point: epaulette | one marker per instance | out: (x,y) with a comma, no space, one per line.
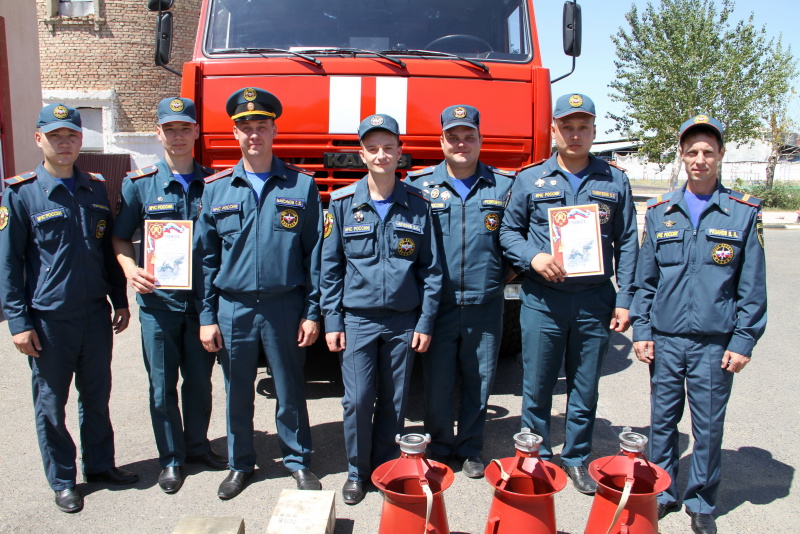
(221,174)
(343,192)
(298,169)
(411,190)
(96,176)
(745,198)
(532,164)
(420,172)
(616,166)
(208,170)
(660,199)
(20,178)
(140,173)
(510,174)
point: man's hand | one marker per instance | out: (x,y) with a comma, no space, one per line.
(141,281)
(121,320)
(307,333)
(211,337)
(645,350)
(734,362)
(27,342)
(335,341)
(420,342)
(547,266)
(620,322)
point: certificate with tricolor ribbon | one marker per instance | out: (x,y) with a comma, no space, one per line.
(575,239)
(168,253)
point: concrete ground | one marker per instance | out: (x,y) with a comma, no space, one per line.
(760,455)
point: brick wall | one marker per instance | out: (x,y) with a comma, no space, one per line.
(76,55)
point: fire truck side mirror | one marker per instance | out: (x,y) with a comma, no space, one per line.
(163,38)
(572,28)
(159,5)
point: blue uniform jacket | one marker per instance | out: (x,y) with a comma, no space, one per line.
(154,193)
(706,280)
(372,264)
(468,233)
(525,231)
(55,248)
(270,247)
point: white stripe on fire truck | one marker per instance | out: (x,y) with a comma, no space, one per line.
(345,104)
(392,99)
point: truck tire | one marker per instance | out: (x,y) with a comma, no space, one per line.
(511,344)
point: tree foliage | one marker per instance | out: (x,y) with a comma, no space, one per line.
(686,57)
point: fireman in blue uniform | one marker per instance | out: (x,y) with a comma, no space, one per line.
(563,318)
(58,273)
(258,243)
(467,201)
(170,190)
(700,307)
(380,291)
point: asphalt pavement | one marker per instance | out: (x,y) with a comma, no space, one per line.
(760,455)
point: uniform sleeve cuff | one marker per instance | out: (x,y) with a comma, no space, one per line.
(19,325)
(741,345)
(624,300)
(334,323)
(424,325)
(642,333)
(208,318)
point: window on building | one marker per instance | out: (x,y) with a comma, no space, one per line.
(92,123)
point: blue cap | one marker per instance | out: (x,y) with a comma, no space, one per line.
(702,121)
(176,110)
(252,104)
(573,103)
(460,115)
(54,116)
(378,122)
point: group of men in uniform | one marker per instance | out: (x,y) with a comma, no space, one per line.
(394,268)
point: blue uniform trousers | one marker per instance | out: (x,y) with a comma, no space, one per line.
(572,326)
(171,346)
(376,371)
(79,345)
(250,323)
(689,365)
(465,344)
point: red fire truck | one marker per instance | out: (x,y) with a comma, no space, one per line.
(334,62)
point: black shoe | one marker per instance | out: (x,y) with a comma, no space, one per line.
(353,492)
(69,501)
(210,458)
(115,475)
(473,467)
(664,509)
(171,479)
(306,480)
(233,484)
(702,523)
(581,479)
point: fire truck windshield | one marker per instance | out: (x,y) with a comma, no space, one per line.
(487,29)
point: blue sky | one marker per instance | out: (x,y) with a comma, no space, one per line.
(603,18)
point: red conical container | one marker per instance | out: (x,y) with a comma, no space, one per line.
(413,490)
(524,486)
(627,487)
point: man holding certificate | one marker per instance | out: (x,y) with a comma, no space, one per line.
(570,220)
(259,237)
(163,200)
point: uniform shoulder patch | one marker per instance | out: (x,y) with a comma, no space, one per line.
(660,199)
(532,164)
(411,190)
(343,192)
(96,176)
(745,198)
(420,172)
(221,174)
(510,174)
(611,163)
(298,169)
(25,176)
(208,170)
(141,173)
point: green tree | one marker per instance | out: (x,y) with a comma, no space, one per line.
(686,57)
